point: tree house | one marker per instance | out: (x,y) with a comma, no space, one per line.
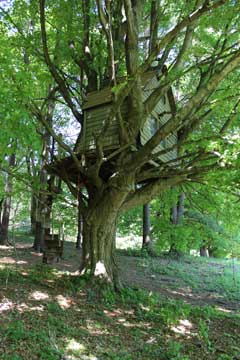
(98,106)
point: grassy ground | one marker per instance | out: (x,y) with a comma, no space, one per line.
(221,277)
(49,314)
(194,279)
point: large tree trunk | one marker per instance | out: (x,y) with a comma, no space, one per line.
(7,204)
(98,248)
(99,234)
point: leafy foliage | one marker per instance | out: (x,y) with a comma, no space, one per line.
(208,221)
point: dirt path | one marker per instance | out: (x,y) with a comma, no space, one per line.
(132,272)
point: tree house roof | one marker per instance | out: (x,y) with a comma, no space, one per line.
(105,95)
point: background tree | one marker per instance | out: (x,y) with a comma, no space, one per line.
(6,201)
(146,226)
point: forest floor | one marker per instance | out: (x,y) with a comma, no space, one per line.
(193,280)
(170,310)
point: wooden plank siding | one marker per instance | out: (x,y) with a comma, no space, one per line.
(97,109)
(94,124)
(163,106)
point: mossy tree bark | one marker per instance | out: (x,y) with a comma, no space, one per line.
(98,247)
(99,231)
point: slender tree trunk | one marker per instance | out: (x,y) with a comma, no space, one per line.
(204,251)
(34,202)
(80,230)
(33,211)
(39,235)
(146,242)
(177,213)
(40,213)
(43,212)
(47,211)
(7,204)
(1,209)
(211,251)
(39,229)
(180,208)
(5,220)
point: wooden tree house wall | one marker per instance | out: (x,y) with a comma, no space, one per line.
(97,107)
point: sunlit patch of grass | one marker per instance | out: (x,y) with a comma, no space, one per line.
(209,275)
(74,347)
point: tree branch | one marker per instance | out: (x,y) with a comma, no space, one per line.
(34,109)
(154,23)
(175,123)
(105,20)
(172,34)
(147,192)
(52,68)
(233,115)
